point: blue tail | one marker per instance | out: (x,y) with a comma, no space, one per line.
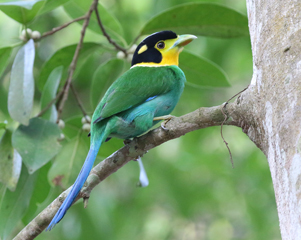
(79,182)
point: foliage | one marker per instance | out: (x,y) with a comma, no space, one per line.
(193,192)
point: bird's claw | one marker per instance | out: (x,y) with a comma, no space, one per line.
(166,119)
(163,126)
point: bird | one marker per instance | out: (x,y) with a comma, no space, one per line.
(136,101)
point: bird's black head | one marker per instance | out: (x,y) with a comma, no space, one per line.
(148,51)
(160,49)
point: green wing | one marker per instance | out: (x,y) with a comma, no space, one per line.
(135,87)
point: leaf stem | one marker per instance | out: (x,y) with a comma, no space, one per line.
(79,102)
(16,44)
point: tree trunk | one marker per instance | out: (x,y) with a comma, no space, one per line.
(271,106)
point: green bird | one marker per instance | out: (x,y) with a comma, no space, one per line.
(136,101)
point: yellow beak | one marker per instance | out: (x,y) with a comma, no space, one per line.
(183,40)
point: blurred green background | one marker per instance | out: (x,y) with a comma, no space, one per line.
(194,192)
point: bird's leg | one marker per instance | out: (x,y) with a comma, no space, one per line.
(166,119)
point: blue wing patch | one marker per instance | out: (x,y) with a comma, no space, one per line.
(150,98)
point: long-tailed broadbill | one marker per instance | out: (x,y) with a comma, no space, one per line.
(136,101)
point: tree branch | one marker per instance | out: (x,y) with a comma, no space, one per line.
(225,119)
(177,127)
(50,104)
(110,40)
(54,30)
(75,57)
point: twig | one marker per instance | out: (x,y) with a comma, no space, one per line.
(50,104)
(75,57)
(54,30)
(79,102)
(110,40)
(225,119)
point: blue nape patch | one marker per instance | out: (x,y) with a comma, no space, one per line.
(150,98)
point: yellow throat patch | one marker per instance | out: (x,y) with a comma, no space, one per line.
(170,54)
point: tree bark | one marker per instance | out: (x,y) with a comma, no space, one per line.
(272,104)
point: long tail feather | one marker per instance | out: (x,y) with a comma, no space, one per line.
(79,182)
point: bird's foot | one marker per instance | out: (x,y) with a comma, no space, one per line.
(166,119)
(126,141)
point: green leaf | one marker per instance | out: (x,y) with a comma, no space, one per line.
(205,19)
(78,8)
(14,204)
(51,5)
(63,57)
(85,72)
(37,143)
(49,93)
(4,58)
(22,11)
(3,124)
(103,77)
(21,88)
(10,162)
(69,161)
(40,193)
(72,127)
(202,72)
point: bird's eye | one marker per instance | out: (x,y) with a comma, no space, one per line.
(160,45)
